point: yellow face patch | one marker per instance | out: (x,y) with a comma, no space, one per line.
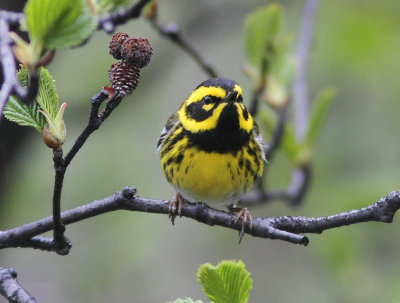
(238,89)
(212,121)
(195,126)
(202,91)
(208,107)
(248,124)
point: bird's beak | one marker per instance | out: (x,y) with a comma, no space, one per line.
(231,96)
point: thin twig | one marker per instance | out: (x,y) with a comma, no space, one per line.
(173,33)
(275,142)
(61,243)
(59,227)
(286,228)
(93,124)
(255,100)
(11,289)
(108,22)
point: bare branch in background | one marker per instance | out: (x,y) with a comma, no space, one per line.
(173,33)
(300,90)
(301,176)
(255,99)
(108,22)
(11,289)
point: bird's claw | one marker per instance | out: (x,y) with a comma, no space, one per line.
(245,216)
(175,207)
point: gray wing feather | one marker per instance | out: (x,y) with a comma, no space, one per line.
(260,141)
(168,128)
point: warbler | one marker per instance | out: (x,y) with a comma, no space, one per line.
(211,149)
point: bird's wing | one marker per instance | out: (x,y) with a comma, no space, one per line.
(168,128)
(260,141)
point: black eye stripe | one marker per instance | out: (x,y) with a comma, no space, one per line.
(196,112)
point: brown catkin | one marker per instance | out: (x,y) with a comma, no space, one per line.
(116,43)
(124,77)
(137,51)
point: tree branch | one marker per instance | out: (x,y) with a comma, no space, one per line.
(61,244)
(286,228)
(253,108)
(108,22)
(95,120)
(11,289)
(173,33)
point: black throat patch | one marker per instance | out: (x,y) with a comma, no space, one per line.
(227,137)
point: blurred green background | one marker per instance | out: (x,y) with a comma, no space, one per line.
(139,257)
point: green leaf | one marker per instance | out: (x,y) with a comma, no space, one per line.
(260,31)
(228,282)
(24,115)
(289,144)
(267,121)
(46,100)
(47,96)
(319,110)
(55,24)
(23,75)
(187,300)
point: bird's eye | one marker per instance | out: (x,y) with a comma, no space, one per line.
(207,100)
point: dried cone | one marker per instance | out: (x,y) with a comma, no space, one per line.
(116,43)
(124,77)
(137,51)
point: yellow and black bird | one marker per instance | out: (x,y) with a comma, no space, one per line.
(211,150)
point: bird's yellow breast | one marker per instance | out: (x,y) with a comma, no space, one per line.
(213,177)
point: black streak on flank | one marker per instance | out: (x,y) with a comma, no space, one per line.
(179,159)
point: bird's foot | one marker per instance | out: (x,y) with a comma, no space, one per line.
(175,207)
(245,216)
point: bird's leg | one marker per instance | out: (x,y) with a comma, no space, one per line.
(245,216)
(175,207)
